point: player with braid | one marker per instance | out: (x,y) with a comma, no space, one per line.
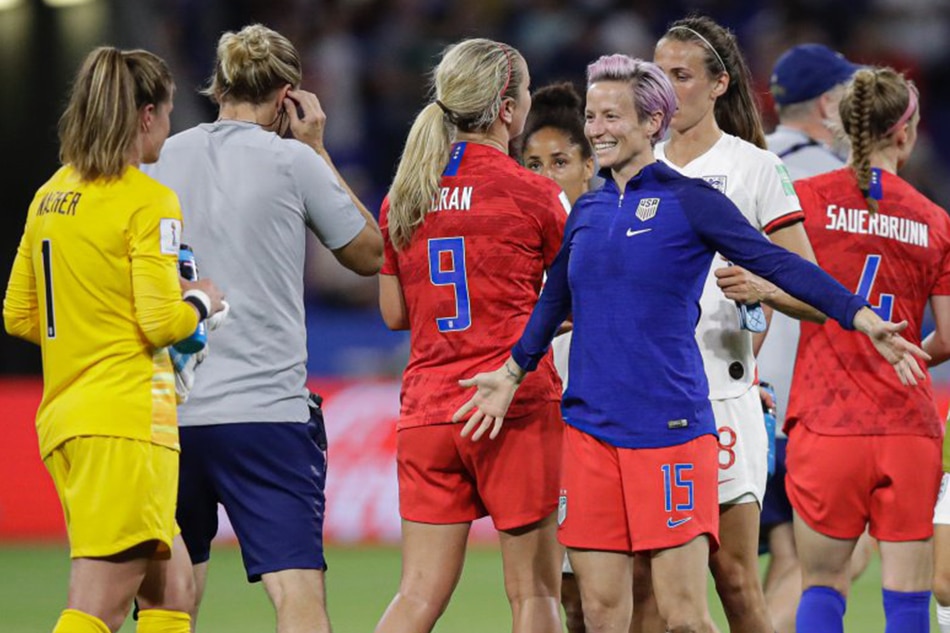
(862,451)
(807,83)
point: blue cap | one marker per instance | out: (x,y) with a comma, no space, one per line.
(806,71)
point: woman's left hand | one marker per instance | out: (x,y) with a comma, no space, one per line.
(898,351)
(493,394)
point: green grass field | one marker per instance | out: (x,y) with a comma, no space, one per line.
(361,582)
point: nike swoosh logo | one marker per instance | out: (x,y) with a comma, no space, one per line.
(631,232)
(726,480)
(670,523)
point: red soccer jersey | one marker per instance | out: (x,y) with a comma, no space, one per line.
(897,259)
(470,277)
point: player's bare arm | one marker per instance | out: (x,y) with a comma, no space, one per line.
(937,343)
(392,303)
(740,285)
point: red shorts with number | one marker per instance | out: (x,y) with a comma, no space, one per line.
(446,478)
(839,483)
(632,500)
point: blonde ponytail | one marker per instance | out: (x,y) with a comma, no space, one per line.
(419,173)
(470,83)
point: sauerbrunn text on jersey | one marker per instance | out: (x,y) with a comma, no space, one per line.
(862,222)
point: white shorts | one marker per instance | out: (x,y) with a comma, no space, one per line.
(566,565)
(743,448)
(942,509)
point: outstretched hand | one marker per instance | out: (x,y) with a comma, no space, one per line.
(493,395)
(898,351)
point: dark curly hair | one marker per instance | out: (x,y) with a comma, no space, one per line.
(557,106)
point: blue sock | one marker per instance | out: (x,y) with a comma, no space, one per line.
(907,612)
(821,610)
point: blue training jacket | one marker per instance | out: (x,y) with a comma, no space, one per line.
(630,272)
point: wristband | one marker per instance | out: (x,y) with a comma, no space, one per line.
(514,375)
(201,301)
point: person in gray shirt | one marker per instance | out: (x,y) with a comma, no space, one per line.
(249,439)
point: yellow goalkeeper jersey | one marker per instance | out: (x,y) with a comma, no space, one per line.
(95,284)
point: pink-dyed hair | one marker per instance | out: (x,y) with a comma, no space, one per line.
(652,90)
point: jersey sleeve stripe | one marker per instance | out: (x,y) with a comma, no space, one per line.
(784,221)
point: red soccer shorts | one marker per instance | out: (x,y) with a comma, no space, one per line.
(633,500)
(839,483)
(446,478)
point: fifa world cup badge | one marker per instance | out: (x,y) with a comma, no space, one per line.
(562,507)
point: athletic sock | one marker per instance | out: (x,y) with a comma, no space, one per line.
(943,618)
(163,621)
(906,611)
(75,621)
(821,610)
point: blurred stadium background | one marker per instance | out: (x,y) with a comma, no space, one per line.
(367,61)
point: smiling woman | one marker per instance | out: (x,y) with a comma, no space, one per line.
(621,127)
(615,288)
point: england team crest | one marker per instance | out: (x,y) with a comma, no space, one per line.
(719,182)
(647,208)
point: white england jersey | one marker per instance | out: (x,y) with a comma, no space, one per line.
(757,182)
(804,158)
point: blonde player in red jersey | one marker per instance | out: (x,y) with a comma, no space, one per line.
(95,283)
(469,234)
(862,450)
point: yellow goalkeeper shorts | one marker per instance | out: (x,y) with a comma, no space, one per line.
(116,493)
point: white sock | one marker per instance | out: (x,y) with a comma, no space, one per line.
(943,619)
